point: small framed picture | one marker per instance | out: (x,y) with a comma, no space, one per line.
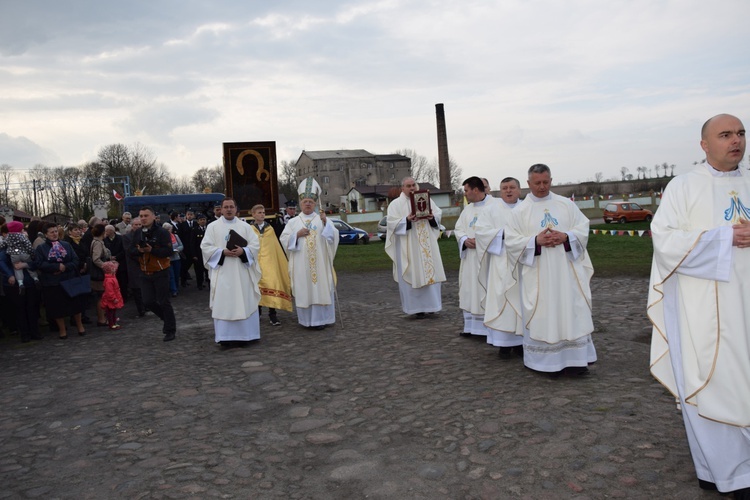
(420,204)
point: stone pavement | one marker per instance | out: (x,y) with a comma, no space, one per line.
(384,407)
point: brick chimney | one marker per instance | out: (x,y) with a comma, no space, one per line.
(442,140)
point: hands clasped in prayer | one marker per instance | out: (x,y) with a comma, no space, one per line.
(551,238)
(235,252)
(741,236)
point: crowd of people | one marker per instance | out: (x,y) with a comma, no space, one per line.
(524,281)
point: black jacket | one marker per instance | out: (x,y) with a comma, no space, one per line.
(49,270)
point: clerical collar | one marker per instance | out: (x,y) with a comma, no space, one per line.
(229,221)
(721,173)
(480,203)
(510,205)
(536,198)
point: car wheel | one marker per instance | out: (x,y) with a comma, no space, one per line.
(622,220)
(607,221)
(648,218)
(360,241)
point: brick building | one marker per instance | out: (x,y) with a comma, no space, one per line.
(339,171)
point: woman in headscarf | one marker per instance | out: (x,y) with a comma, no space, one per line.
(56,262)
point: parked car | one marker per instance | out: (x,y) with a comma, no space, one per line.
(383,228)
(626,211)
(350,235)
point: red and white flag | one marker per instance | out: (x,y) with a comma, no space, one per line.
(117,195)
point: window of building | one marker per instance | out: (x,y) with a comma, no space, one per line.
(393,176)
(325,179)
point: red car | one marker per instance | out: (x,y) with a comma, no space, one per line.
(626,211)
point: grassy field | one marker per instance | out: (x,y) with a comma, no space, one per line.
(611,255)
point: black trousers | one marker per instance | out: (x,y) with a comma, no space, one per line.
(26,309)
(155,293)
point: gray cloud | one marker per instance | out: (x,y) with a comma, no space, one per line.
(23,153)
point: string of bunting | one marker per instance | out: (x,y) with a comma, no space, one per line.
(621,232)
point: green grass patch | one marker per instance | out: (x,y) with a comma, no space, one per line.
(620,255)
(640,225)
(372,257)
(611,255)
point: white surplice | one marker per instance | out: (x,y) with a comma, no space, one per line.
(417,264)
(311,268)
(503,325)
(234,284)
(699,304)
(552,293)
(472,274)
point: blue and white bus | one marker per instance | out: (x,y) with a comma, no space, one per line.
(164,204)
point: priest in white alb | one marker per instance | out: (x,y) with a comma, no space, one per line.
(234,275)
(546,242)
(412,245)
(504,327)
(472,274)
(311,241)
(699,304)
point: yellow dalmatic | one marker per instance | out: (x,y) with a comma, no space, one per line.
(275,286)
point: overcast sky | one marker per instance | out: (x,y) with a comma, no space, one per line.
(584,86)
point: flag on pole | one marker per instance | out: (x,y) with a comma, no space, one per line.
(117,195)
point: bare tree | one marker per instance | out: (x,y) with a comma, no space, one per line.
(211,178)
(624,171)
(139,164)
(671,169)
(455,172)
(287,183)
(7,175)
(598,177)
(422,170)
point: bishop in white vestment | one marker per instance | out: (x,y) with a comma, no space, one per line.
(699,304)
(311,242)
(546,241)
(234,275)
(412,246)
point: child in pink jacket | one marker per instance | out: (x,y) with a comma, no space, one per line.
(112,298)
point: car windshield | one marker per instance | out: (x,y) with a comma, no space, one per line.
(635,206)
(341,225)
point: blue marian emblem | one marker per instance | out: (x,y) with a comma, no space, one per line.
(736,210)
(549,222)
(473,221)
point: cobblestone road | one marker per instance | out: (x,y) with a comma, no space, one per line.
(383,407)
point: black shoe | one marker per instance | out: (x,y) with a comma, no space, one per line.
(743,494)
(505,353)
(421,316)
(707,485)
(576,371)
(275,321)
(168,337)
(518,350)
(465,334)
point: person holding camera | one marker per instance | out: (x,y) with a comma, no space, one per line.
(152,247)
